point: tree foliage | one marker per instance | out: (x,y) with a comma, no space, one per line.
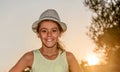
(105,27)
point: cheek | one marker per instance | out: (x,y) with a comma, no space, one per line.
(57,35)
(41,36)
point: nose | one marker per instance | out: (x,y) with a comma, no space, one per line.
(49,34)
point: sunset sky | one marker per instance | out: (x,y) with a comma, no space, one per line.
(17,37)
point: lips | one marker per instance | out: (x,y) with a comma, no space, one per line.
(49,39)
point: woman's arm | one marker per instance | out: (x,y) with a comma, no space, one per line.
(73,63)
(24,62)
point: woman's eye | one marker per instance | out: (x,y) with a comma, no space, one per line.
(43,31)
(54,30)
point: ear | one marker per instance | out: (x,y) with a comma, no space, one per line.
(60,35)
(38,35)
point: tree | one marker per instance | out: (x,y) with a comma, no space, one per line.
(105,27)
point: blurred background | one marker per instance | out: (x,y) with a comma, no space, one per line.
(104,30)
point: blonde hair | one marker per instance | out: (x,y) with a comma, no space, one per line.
(60,46)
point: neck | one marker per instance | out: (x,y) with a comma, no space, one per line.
(49,51)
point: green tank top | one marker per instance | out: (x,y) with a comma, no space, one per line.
(41,64)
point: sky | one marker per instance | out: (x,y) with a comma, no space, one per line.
(17,37)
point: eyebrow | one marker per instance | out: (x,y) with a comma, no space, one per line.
(51,28)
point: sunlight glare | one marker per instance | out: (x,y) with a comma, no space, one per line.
(92,59)
(108,1)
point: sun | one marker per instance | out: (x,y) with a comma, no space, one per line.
(92,59)
(108,1)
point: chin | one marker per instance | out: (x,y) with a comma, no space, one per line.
(50,45)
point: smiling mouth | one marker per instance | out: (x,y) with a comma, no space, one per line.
(49,40)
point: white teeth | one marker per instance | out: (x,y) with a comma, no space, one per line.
(49,40)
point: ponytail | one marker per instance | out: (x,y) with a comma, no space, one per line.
(60,46)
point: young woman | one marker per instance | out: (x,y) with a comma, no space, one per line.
(50,57)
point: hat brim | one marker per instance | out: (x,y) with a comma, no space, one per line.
(35,24)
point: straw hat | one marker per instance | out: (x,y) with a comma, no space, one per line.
(49,14)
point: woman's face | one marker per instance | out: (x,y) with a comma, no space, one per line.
(49,33)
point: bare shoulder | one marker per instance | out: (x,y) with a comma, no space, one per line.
(70,56)
(28,55)
(73,63)
(25,61)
